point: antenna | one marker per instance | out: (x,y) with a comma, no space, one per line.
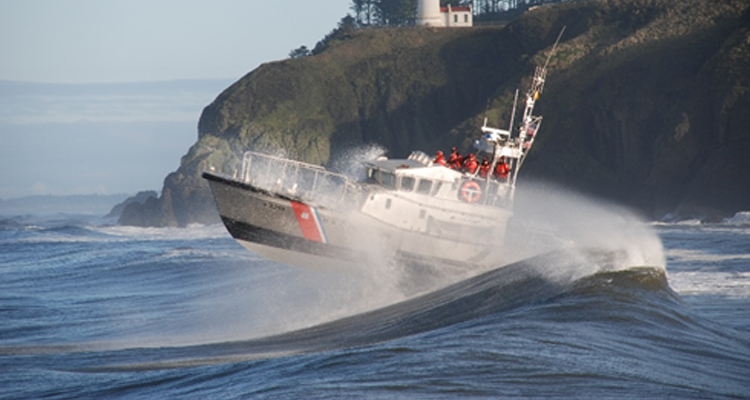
(554,47)
(487,109)
(513,114)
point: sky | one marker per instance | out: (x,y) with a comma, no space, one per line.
(77,136)
(84,41)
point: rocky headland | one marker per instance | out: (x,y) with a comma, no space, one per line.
(647,104)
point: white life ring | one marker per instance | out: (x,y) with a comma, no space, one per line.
(470,192)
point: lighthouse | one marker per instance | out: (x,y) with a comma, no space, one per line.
(428,13)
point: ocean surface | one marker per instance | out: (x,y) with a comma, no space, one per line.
(93,310)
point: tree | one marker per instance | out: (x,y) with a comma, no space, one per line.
(344,29)
(364,12)
(384,12)
(465,3)
(302,51)
(396,12)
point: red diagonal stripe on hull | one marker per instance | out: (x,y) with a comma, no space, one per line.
(306,221)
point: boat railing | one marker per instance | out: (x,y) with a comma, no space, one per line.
(305,181)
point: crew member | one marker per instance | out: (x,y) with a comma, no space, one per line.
(484,168)
(502,170)
(455,160)
(439,158)
(470,164)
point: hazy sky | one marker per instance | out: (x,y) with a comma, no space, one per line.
(81,41)
(105,139)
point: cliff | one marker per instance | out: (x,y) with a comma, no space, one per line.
(647,103)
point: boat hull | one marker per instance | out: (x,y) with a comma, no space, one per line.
(288,230)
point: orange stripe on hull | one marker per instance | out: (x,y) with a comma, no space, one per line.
(308,222)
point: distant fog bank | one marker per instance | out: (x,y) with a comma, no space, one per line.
(67,139)
(94,205)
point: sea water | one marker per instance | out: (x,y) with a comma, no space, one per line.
(93,310)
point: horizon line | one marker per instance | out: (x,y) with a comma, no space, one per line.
(31,82)
(158,193)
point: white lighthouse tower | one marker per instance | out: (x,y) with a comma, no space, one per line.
(428,13)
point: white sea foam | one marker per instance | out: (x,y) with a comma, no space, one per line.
(711,273)
(116,233)
(351,161)
(548,217)
(264,298)
(740,218)
(689,255)
(719,283)
(192,232)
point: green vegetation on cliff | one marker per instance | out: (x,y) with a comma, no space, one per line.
(647,103)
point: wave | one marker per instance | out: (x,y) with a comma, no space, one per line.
(41,230)
(578,311)
(741,218)
(533,281)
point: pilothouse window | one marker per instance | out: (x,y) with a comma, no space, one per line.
(424,186)
(385,178)
(407,183)
(379,176)
(388,179)
(436,187)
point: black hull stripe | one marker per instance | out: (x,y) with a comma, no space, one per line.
(255,234)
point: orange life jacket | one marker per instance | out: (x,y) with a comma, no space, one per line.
(470,165)
(502,170)
(484,169)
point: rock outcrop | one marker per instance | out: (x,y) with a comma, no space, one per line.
(140,197)
(648,103)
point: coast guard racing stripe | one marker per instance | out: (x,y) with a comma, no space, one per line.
(309,222)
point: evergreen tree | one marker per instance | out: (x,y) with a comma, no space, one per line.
(302,51)
(396,12)
(364,12)
(343,30)
(464,3)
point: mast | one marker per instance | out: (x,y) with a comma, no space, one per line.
(501,144)
(530,123)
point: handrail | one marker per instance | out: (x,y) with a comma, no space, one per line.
(308,182)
